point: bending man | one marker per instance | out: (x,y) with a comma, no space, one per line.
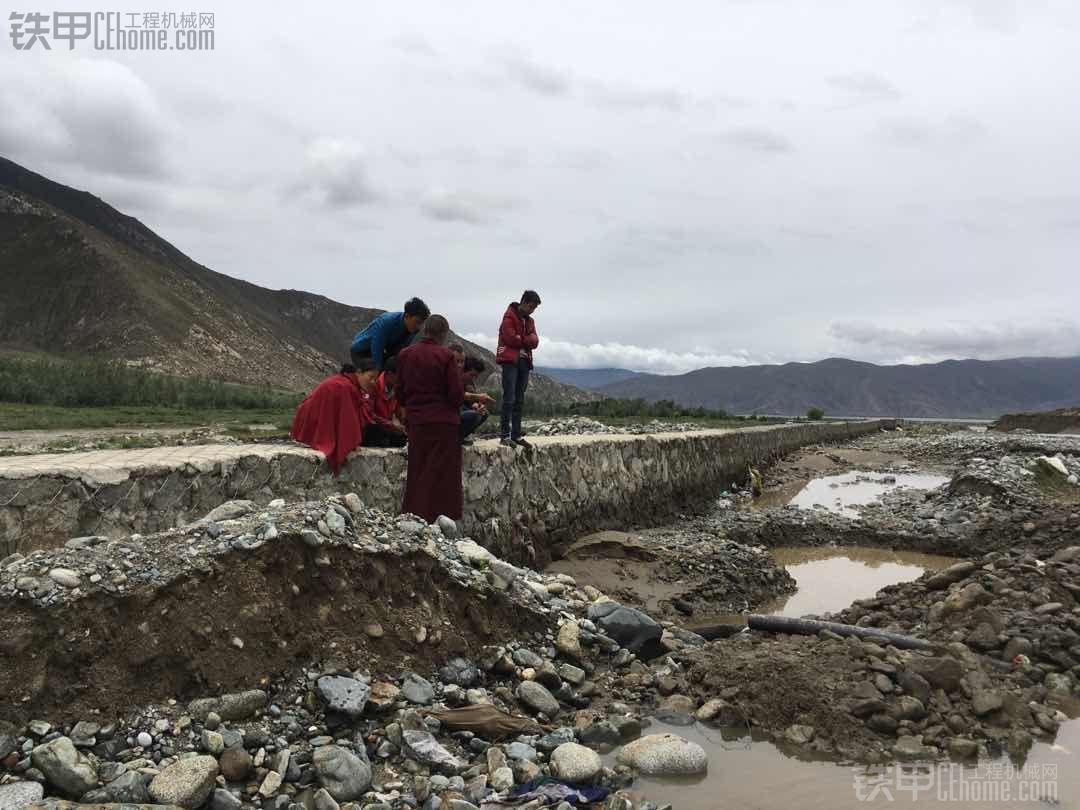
(389,333)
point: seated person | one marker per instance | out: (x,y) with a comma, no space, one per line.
(474,412)
(385,397)
(339,416)
(331,418)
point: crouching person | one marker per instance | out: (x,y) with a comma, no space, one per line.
(331,418)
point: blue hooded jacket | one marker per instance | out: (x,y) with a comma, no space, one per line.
(382,337)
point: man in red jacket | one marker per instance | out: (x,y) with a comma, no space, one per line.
(430,388)
(517,339)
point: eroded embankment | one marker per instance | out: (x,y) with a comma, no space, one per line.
(118,624)
(520,504)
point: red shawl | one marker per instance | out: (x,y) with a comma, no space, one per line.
(329,419)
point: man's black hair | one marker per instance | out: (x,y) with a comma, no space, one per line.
(359,364)
(390,364)
(530,297)
(414,306)
(456,348)
(475,364)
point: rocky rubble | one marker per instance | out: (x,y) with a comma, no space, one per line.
(583,425)
(344,727)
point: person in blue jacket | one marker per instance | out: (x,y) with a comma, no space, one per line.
(389,333)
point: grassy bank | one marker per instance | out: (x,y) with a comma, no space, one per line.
(17,416)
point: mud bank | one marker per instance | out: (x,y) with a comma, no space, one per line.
(519,504)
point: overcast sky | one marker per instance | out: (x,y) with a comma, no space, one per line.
(685,183)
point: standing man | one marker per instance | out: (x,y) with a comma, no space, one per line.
(389,333)
(431,390)
(517,339)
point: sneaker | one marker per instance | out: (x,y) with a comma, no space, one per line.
(522,443)
(506,441)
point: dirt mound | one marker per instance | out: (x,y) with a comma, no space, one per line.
(1066,420)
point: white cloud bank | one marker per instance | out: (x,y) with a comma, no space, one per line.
(564,354)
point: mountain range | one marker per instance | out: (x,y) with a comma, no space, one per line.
(954,388)
(80,278)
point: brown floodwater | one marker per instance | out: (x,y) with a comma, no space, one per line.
(745,773)
(846,492)
(830,579)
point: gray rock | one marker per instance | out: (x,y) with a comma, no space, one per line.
(144,739)
(537,698)
(938,671)
(322,798)
(127,788)
(234,706)
(601,733)
(343,774)
(65,577)
(84,734)
(911,748)
(344,695)
(575,763)
(799,734)
(502,779)
(525,657)
(460,672)
(633,629)
(448,526)
(417,690)
(230,510)
(19,795)
(65,767)
(424,748)
(186,783)
(222,799)
(519,750)
(664,755)
(984,701)
(334,522)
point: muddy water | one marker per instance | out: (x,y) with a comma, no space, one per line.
(830,579)
(745,773)
(845,493)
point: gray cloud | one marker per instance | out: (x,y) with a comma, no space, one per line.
(756,140)
(1052,337)
(93,113)
(952,132)
(455,206)
(535,77)
(864,87)
(633,98)
(335,174)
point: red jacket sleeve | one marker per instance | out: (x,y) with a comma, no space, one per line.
(455,385)
(508,332)
(532,340)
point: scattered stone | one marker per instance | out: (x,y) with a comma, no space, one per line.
(344,695)
(67,770)
(344,775)
(575,763)
(664,755)
(230,707)
(187,782)
(633,629)
(65,577)
(537,698)
(417,690)
(19,795)
(423,747)
(230,510)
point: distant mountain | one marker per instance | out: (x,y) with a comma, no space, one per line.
(80,278)
(588,378)
(954,388)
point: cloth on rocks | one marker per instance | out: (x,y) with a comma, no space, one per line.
(549,792)
(486,721)
(330,419)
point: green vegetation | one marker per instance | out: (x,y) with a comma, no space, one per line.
(111,384)
(815,414)
(16,416)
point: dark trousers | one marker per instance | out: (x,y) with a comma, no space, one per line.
(470,421)
(379,436)
(515,379)
(433,478)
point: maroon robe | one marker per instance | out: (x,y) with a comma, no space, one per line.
(431,390)
(330,419)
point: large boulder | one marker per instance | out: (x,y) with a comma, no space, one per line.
(19,795)
(664,755)
(345,776)
(186,783)
(233,706)
(537,697)
(575,763)
(633,629)
(343,695)
(938,671)
(67,770)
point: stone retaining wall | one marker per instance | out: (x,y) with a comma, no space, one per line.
(522,505)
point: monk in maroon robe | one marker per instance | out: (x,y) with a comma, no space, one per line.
(332,418)
(431,390)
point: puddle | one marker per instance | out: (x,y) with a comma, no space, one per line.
(745,773)
(844,493)
(830,579)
